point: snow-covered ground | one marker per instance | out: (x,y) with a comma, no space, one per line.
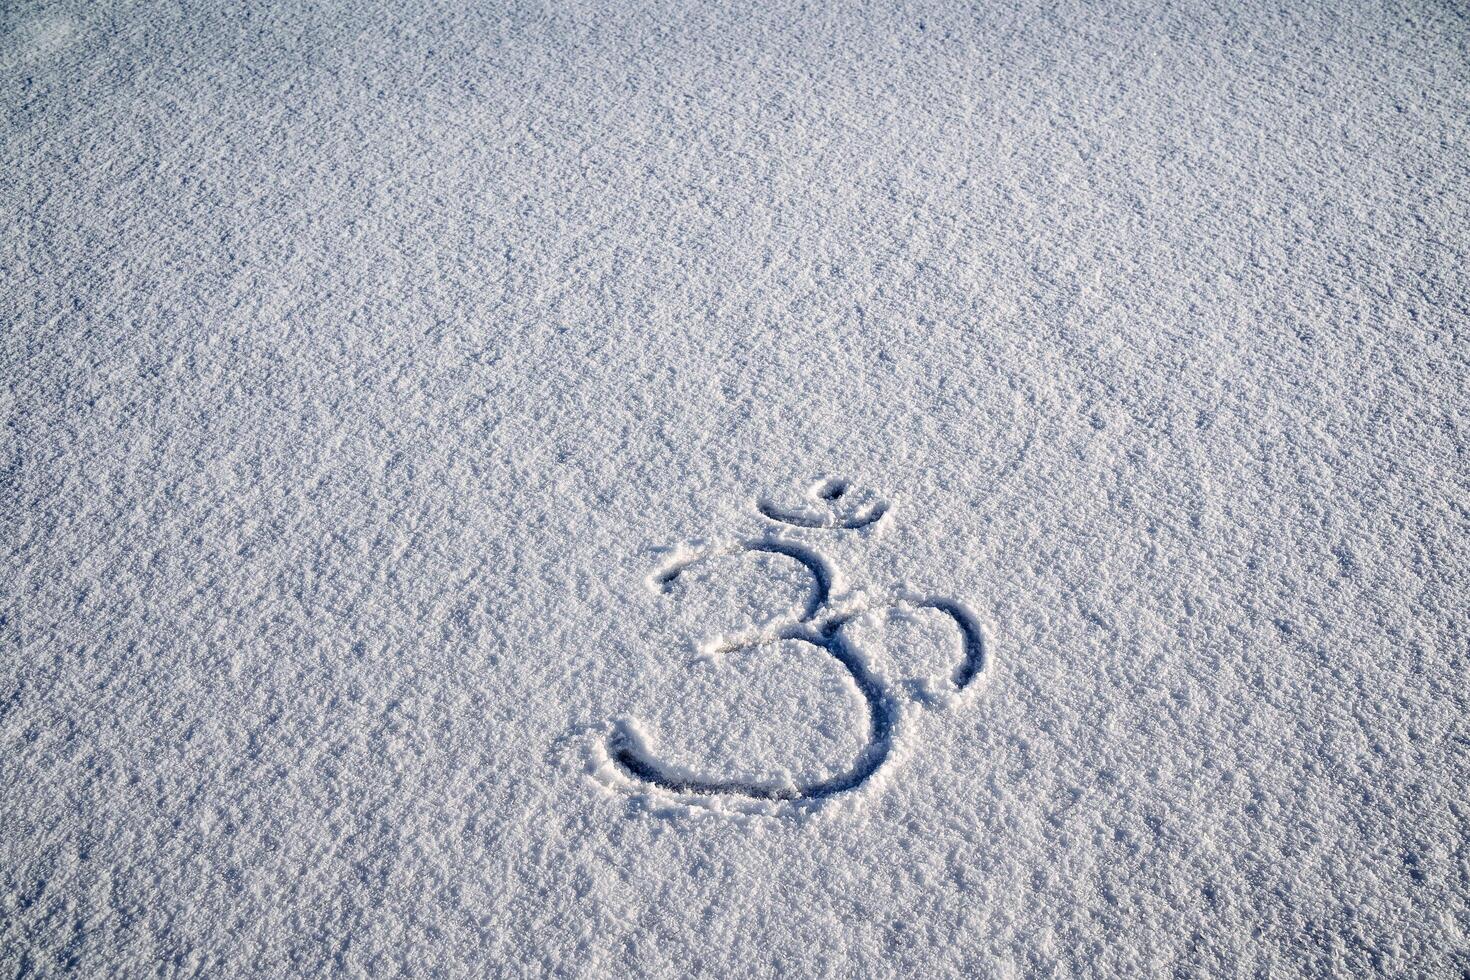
(767,490)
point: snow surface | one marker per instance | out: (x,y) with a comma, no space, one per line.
(369,371)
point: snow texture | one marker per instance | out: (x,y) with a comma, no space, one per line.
(934,489)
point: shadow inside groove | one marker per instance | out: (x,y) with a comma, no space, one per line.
(972,636)
(814,563)
(628,752)
(853,522)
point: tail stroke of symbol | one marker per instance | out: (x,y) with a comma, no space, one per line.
(821,627)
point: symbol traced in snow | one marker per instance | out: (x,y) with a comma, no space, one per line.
(831,505)
(821,625)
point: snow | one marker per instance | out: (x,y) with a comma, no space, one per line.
(368,368)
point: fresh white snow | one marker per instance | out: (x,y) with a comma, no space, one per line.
(661,489)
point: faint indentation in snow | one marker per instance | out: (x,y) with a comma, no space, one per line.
(40,38)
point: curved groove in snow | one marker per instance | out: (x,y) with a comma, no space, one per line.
(972,637)
(868,515)
(629,752)
(815,564)
(826,493)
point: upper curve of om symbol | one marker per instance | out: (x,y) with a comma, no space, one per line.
(821,624)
